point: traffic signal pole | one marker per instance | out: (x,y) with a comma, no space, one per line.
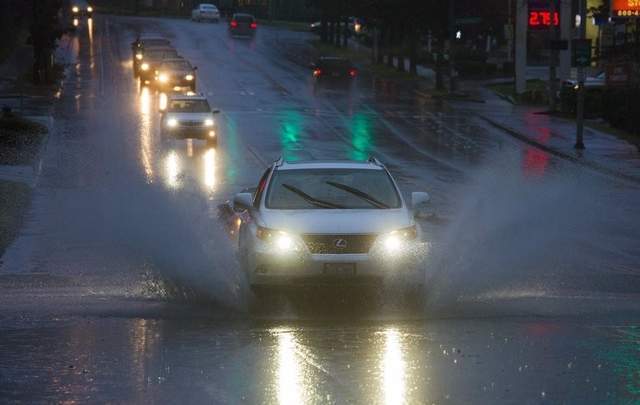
(581,79)
(522,11)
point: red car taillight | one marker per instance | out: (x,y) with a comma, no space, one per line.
(353,72)
(234,24)
(317,72)
(254,25)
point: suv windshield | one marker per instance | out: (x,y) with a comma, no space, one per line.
(243,18)
(335,63)
(192,106)
(332,189)
(176,65)
(161,54)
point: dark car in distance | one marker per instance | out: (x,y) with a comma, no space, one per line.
(243,25)
(334,68)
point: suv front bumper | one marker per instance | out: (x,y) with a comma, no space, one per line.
(202,132)
(276,270)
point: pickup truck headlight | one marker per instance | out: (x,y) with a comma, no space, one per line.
(189,77)
(139,56)
(144,66)
(172,122)
(208,122)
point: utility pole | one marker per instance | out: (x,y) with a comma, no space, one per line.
(510,31)
(582,29)
(553,57)
(522,21)
(452,43)
(566,30)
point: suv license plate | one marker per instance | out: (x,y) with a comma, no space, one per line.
(340,269)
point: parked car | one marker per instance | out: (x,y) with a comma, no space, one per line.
(315,26)
(243,25)
(205,12)
(323,222)
(594,91)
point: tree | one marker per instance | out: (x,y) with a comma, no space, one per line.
(45,30)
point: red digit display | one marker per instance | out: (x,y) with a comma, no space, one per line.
(543,19)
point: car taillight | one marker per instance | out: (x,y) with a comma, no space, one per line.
(353,72)
(317,72)
(234,24)
(254,25)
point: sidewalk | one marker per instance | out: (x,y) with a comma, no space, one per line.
(605,152)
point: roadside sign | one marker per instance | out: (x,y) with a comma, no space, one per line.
(625,8)
(582,52)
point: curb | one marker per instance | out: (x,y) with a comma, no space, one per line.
(585,163)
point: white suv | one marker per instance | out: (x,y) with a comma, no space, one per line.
(188,117)
(323,222)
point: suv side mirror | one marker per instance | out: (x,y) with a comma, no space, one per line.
(419,198)
(418,202)
(215,111)
(242,202)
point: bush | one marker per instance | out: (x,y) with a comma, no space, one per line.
(621,108)
(593,102)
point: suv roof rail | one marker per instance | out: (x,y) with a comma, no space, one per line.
(374,161)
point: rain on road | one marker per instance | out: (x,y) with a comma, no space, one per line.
(124,287)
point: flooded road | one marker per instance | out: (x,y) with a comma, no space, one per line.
(124,284)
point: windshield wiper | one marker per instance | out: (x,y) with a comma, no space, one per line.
(358,193)
(311,200)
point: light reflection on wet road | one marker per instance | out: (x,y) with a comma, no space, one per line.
(123,286)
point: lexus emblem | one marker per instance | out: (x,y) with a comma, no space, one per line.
(340,243)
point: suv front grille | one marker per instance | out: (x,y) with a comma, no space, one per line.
(191,123)
(339,244)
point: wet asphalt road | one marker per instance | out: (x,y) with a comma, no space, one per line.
(123,285)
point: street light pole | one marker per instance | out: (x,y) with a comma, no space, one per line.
(581,79)
(452,43)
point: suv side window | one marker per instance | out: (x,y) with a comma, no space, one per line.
(262,185)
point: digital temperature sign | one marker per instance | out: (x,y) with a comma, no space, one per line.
(544,18)
(625,8)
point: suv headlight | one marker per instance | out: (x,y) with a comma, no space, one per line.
(172,122)
(208,122)
(163,77)
(75,9)
(90,9)
(189,77)
(139,56)
(144,66)
(397,241)
(279,241)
